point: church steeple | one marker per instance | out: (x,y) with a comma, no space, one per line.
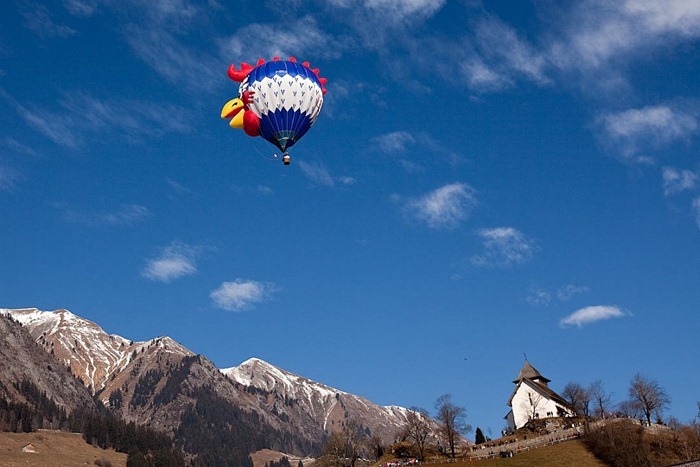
(530,372)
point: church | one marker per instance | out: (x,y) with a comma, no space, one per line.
(532,399)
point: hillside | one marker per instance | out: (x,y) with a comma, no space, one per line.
(159,382)
(22,361)
(54,449)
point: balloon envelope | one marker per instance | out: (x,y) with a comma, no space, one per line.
(288,98)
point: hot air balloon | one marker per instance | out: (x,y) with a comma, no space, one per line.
(278,100)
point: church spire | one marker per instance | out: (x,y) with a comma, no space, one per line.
(530,372)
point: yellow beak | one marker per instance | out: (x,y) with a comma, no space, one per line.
(233,109)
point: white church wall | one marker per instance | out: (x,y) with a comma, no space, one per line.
(528,403)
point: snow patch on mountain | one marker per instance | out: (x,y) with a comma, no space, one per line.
(92,354)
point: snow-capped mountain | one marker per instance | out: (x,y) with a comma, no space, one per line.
(330,408)
(161,383)
(22,362)
(93,355)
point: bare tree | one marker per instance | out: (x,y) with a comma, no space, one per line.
(532,405)
(578,396)
(452,421)
(345,447)
(334,451)
(600,398)
(649,397)
(629,409)
(418,428)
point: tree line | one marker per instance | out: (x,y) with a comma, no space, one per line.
(143,446)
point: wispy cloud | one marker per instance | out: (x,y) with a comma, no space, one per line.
(495,57)
(503,247)
(542,296)
(676,181)
(444,207)
(80,7)
(241,294)
(634,130)
(15,146)
(538,296)
(591,315)
(597,39)
(394,142)
(696,210)
(174,261)
(178,188)
(568,291)
(265,190)
(8,178)
(39,19)
(301,37)
(179,64)
(600,31)
(318,173)
(79,114)
(401,146)
(127,214)
(403,10)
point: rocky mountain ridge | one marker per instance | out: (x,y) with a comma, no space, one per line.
(159,382)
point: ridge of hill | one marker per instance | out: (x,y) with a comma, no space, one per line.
(164,384)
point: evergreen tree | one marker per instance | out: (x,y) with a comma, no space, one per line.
(480,438)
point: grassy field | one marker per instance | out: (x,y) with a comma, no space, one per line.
(54,449)
(567,454)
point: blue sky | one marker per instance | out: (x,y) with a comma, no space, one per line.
(486,179)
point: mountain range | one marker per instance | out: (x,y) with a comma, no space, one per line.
(162,384)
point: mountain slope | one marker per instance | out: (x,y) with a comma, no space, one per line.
(93,355)
(327,408)
(162,383)
(21,360)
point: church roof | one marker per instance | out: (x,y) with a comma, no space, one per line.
(543,390)
(530,372)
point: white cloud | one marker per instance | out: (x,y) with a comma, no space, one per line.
(590,315)
(444,207)
(318,173)
(299,38)
(241,294)
(503,247)
(8,178)
(80,7)
(178,63)
(538,296)
(38,19)
(566,292)
(394,142)
(80,115)
(127,214)
(175,260)
(178,188)
(403,10)
(599,33)
(633,130)
(676,181)
(502,55)
(483,77)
